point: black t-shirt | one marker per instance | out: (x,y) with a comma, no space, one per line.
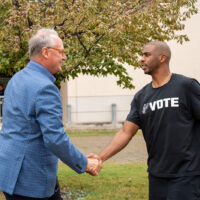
(169,117)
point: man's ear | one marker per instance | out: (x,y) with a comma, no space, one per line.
(163,58)
(44,52)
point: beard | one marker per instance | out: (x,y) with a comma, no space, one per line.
(150,69)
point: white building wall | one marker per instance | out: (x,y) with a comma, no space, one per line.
(91,97)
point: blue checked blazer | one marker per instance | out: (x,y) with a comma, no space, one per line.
(32,136)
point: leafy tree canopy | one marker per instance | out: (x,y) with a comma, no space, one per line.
(99,35)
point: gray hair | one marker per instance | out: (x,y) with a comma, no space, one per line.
(43,38)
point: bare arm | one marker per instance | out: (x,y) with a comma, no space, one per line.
(119,141)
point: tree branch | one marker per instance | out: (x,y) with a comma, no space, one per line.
(88,51)
(16,3)
(73,2)
(48,6)
(78,32)
(81,43)
(76,66)
(30,23)
(79,38)
(20,39)
(144,4)
(66,6)
(61,24)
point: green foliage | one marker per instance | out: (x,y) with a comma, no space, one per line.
(99,36)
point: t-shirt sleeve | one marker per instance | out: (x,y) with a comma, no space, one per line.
(194,96)
(133,115)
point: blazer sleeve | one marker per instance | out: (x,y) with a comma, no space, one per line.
(48,108)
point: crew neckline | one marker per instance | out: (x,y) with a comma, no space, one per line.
(151,84)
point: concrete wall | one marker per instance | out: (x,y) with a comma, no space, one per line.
(91,97)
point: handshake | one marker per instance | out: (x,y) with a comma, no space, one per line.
(94,165)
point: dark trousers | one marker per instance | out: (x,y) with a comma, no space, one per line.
(19,197)
(181,188)
(55,196)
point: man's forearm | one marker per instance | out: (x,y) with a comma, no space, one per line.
(120,140)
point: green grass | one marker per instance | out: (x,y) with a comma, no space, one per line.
(115,182)
(1,196)
(94,132)
(91,132)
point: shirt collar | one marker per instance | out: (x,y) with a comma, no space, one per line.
(43,69)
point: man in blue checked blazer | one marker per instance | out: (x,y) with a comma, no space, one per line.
(32,136)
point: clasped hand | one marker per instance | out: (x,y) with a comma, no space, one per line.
(94,165)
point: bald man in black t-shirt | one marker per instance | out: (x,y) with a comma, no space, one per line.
(168,112)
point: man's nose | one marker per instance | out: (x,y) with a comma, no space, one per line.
(64,57)
(142,59)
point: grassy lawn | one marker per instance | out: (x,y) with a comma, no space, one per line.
(91,132)
(115,182)
(94,132)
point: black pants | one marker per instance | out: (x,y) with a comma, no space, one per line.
(55,196)
(19,197)
(181,188)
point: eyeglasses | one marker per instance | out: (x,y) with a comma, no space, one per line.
(61,51)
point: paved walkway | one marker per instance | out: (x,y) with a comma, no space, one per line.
(135,151)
